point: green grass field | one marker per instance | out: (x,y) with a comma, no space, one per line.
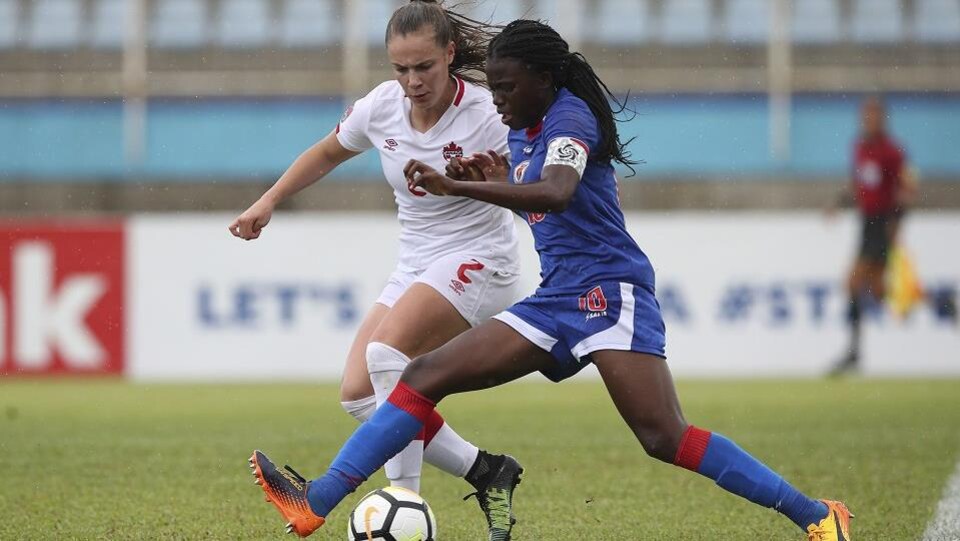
(111,460)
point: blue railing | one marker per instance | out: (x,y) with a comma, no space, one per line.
(245,140)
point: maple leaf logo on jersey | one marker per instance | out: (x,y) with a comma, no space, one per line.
(452,150)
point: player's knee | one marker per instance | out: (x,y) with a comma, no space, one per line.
(352,393)
(384,358)
(425,376)
(658,441)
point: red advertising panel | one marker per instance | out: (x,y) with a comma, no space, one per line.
(61,298)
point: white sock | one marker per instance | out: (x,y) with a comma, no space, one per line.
(447,450)
(361,409)
(386,365)
(451,453)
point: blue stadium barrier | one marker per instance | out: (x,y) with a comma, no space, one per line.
(242,140)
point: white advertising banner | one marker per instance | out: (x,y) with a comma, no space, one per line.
(743,294)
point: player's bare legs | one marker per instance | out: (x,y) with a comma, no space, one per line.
(489,355)
(419,321)
(641,387)
(355,385)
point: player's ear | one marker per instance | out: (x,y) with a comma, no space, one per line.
(451,52)
(544,80)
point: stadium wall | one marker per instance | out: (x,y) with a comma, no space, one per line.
(244,140)
(175,297)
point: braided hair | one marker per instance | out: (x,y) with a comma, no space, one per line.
(541,48)
(470,37)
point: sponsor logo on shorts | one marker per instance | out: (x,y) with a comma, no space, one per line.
(594,303)
(457,284)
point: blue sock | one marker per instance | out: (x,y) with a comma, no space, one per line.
(394,425)
(714,456)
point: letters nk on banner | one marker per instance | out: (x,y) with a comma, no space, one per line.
(61,298)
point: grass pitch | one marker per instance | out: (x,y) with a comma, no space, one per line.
(112,460)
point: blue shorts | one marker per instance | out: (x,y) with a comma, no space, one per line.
(614,315)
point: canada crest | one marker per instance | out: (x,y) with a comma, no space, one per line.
(452,150)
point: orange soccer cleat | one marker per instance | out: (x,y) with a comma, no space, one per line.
(835,527)
(287,491)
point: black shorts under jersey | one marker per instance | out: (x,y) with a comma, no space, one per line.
(877,235)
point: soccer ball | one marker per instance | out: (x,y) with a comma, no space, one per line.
(392,514)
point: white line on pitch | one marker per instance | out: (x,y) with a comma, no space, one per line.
(945,525)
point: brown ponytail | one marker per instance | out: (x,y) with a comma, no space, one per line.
(470,37)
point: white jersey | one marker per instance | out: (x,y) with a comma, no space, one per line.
(435,226)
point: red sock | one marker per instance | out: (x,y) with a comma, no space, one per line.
(693,446)
(407,399)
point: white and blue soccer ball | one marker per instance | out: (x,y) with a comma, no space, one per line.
(392,514)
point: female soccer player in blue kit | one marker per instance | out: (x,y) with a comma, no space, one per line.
(595,302)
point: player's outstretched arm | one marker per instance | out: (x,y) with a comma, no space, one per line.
(552,193)
(315,163)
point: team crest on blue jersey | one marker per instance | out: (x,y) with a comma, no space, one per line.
(594,302)
(519,170)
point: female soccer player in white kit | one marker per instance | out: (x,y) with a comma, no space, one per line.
(458,257)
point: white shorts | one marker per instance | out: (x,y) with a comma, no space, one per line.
(475,286)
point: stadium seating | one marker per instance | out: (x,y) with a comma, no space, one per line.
(877,21)
(178,24)
(747,21)
(251,24)
(937,21)
(686,22)
(55,24)
(495,11)
(244,24)
(9,17)
(309,23)
(816,21)
(107,24)
(624,22)
(378,10)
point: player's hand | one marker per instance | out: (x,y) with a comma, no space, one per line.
(495,167)
(461,169)
(419,174)
(250,224)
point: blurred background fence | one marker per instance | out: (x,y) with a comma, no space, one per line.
(127,105)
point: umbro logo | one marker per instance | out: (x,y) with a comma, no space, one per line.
(390,144)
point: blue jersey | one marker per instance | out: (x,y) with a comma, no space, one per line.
(587,243)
